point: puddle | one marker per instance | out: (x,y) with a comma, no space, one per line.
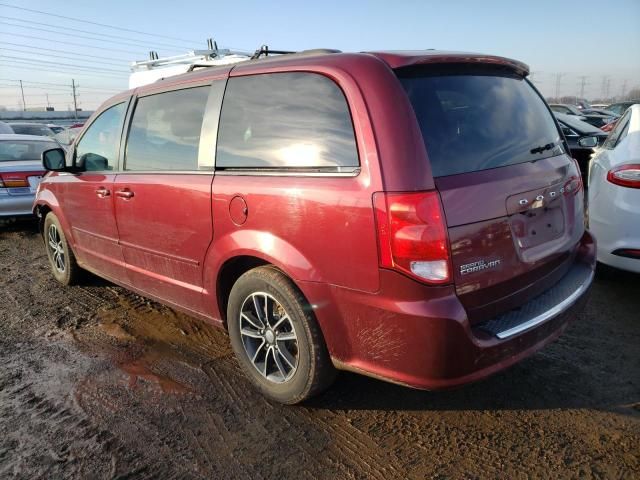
(139,370)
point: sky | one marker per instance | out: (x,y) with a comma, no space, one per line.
(565,39)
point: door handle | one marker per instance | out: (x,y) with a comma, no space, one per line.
(125,193)
(102,192)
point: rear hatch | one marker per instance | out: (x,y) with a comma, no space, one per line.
(511,194)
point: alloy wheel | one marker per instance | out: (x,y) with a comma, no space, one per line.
(269,337)
(56,248)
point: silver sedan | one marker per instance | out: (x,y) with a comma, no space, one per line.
(20,172)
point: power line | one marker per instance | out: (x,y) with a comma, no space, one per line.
(22,45)
(43,94)
(32,88)
(48,55)
(48,40)
(87,31)
(54,84)
(96,23)
(75,35)
(76,74)
(85,73)
(36,61)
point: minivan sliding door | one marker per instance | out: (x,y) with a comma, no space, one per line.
(163,194)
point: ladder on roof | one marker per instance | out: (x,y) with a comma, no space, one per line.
(148,71)
(212,55)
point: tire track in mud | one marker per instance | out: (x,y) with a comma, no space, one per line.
(344,449)
(99,382)
(43,435)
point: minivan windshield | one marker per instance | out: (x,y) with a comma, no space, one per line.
(477,119)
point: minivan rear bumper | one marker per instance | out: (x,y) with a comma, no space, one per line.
(420,336)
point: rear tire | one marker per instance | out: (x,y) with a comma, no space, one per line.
(276,338)
(62,261)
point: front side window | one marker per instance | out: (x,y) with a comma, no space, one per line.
(479,118)
(285,120)
(98,148)
(165,131)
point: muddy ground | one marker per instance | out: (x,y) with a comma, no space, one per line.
(96,382)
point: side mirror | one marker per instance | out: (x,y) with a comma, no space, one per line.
(92,162)
(588,142)
(54,160)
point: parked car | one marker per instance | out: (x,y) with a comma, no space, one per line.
(20,172)
(609,126)
(36,129)
(55,128)
(614,195)
(621,107)
(595,119)
(415,217)
(5,128)
(582,138)
(599,111)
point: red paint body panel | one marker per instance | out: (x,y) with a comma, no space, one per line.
(420,335)
(90,215)
(171,239)
(296,227)
(487,222)
(165,230)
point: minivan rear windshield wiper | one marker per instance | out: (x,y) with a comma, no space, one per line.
(543,148)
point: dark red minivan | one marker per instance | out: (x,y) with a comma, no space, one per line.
(412,216)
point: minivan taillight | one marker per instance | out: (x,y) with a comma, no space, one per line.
(625,176)
(412,235)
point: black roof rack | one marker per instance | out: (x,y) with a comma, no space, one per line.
(264,50)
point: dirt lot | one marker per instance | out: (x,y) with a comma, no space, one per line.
(96,382)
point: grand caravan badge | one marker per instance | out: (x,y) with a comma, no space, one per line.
(478,266)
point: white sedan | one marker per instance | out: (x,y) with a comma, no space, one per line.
(614,194)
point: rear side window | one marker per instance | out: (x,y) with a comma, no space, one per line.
(475,120)
(165,131)
(285,121)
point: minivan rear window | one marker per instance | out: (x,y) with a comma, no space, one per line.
(478,119)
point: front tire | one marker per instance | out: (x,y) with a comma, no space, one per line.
(62,261)
(276,338)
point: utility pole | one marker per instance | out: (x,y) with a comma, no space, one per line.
(558,80)
(24,105)
(603,87)
(75,102)
(583,83)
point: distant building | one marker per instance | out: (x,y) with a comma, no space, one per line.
(44,116)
